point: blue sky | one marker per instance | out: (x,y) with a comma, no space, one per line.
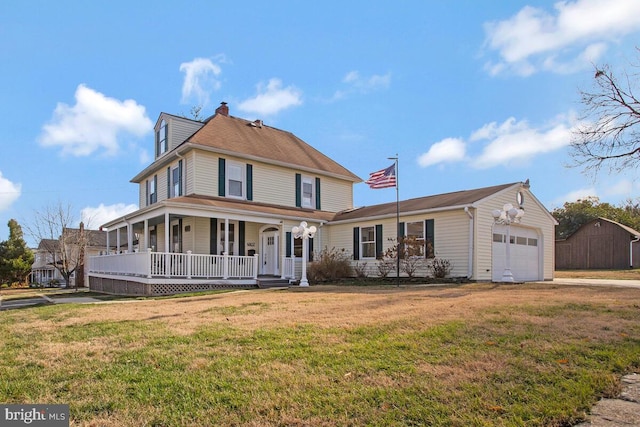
(467,93)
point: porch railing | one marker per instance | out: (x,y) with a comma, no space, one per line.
(163,264)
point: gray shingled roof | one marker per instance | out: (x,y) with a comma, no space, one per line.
(438,201)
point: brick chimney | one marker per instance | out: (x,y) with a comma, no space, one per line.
(223,109)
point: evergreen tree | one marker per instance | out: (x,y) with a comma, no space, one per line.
(16,258)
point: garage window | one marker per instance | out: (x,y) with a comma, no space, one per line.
(533,242)
(521,240)
(498,238)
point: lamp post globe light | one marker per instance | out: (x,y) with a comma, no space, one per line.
(305,233)
(507,216)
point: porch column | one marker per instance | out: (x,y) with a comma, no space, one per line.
(225,254)
(283,251)
(117,239)
(167,229)
(129,238)
(226,236)
(108,247)
(146,233)
(167,247)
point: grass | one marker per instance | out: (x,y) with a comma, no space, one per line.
(630,274)
(471,355)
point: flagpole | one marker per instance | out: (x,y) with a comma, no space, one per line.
(397,221)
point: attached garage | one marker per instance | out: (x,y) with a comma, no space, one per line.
(525,253)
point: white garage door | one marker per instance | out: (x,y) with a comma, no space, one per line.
(524,253)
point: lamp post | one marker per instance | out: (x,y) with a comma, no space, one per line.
(507,216)
(305,233)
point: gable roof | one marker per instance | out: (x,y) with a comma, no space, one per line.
(233,135)
(629,230)
(438,201)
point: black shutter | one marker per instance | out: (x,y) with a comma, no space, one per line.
(180,184)
(169,182)
(356,243)
(298,190)
(241,238)
(249,182)
(213,236)
(310,251)
(146,195)
(288,244)
(318,194)
(401,232)
(378,241)
(430,250)
(221,177)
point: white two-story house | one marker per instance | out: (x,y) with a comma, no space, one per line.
(220,200)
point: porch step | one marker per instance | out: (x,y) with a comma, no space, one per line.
(264,283)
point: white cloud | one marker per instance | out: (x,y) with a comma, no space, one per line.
(94,122)
(200,79)
(624,188)
(570,38)
(510,142)
(359,84)
(9,192)
(94,217)
(272,98)
(447,150)
(514,141)
(574,196)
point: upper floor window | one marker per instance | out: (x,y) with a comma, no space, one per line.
(235,180)
(162,140)
(152,190)
(308,199)
(175,180)
(307,192)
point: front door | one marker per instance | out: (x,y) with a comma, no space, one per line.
(269,251)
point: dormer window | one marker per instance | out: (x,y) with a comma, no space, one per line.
(162,140)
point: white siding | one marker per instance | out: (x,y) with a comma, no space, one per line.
(274,184)
(536,217)
(202,232)
(451,238)
(180,129)
(271,184)
(205,173)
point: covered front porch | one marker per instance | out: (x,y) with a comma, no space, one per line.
(174,247)
(162,273)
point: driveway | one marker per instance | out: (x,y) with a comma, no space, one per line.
(598,282)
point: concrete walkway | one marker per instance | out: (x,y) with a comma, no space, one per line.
(597,282)
(623,411)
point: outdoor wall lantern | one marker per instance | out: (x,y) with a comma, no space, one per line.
(305,233)
(507,216)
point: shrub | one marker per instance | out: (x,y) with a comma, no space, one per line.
(330,265)
(360,269)
(440,268)
(385,266)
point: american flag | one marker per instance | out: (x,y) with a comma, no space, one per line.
(383,178)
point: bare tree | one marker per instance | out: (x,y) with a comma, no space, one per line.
(608,133)
(64,246)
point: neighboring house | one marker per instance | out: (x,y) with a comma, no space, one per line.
(43,273)
(218,204)
(49,252)
(599,244)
